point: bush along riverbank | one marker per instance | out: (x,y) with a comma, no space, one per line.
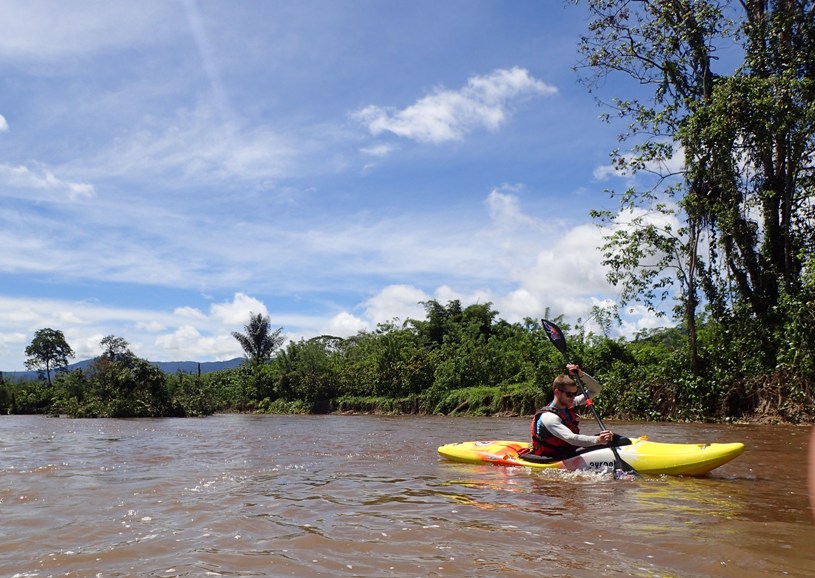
(458,361)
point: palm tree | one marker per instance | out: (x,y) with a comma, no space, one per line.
(259,342)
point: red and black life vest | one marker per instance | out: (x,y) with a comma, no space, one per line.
(548,444)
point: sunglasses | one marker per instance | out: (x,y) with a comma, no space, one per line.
(569,394)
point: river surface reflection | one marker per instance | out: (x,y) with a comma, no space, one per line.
(241,495)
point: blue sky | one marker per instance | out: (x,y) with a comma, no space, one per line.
(169,167)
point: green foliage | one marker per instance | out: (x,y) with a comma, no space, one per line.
(381,405)
(118,384)
(516,399)
(259,342)
(281,406)
(115,388)
(191,396)
(477,364)
(25,397)
(736,224)
(306,374)
(47,352)
(796,342)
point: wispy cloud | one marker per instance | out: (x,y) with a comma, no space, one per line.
(198,147)
(205,50)
(448,115)
(378,150)
(16,178)
(671,166)
(44,30)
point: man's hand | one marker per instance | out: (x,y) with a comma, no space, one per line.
(605,437)
(574,369)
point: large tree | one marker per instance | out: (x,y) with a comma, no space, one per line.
(48,351)
(116,349)
(728,87)
(260,341)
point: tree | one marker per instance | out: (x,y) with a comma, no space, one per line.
(307,373)
(259,342)
(124,385)
(116,349)
(744,197)
(48,351)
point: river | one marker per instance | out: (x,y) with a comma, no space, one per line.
(244,495)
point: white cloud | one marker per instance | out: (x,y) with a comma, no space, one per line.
(179,340)
(605,172)
(45,30)
(86,345)
(505,210)
(190,312)
(41,179)
(378,150)
(521,303)
(636,318)
(237,311)
(671,166)
(344,325)
(151,327)
(624,219)
(69,318)
(20,315)
(198,147)
(187,343)
(446,293)
(395,302)
(3,124)
(449,115)
(567,269)
(16,339)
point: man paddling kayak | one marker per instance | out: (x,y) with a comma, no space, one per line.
(556,428)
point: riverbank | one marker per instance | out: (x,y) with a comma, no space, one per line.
(523,400)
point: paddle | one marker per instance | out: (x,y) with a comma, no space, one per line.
(555,335)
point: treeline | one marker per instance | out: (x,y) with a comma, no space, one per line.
(456,361)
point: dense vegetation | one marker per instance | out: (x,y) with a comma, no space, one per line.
(456,361)
(720,128)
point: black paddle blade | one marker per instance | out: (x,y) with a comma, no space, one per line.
(555,335)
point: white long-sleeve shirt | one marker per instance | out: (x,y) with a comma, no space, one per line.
(555,425)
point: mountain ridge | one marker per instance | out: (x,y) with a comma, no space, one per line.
(165,366)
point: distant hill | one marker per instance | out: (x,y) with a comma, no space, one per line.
(165,366)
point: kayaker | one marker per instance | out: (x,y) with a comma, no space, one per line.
(556,427)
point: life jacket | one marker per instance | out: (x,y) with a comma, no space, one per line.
(547,443)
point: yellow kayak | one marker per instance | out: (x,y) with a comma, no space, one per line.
(646,457)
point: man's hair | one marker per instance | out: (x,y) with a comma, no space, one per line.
(562,381)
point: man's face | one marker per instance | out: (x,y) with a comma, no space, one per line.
(567,394)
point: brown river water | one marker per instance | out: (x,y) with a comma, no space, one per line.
(242,495)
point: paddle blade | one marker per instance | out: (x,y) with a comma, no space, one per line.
(620,474)
(555,335)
